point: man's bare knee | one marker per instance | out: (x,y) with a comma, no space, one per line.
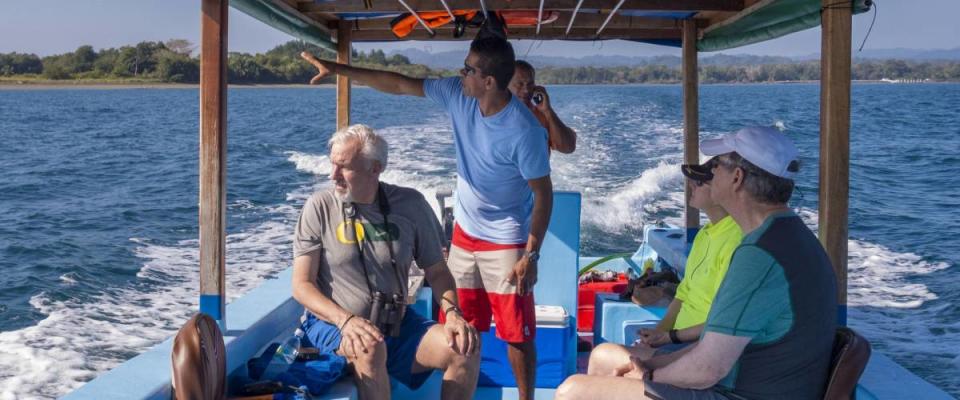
(571,388)
(458,364)
(372,360)
(606,357)
(466,363)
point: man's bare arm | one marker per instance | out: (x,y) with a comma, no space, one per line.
(562,137)
(705,364)
(357,334)
(662,360)
(384,81)
(670,318)
(461,336)
(524,273)
(306,292)
(443,284)
(542,207)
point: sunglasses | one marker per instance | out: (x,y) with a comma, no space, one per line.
(699,183)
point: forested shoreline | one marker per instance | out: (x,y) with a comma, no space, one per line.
(174,61)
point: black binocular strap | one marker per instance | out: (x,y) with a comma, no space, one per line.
(385,210)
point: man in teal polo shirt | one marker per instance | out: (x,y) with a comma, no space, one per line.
(769,334)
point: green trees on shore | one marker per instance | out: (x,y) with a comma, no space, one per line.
(174,61)
(800,71)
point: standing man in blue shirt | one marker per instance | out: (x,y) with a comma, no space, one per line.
(504,192)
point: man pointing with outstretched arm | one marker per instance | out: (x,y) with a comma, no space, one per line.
(504,193)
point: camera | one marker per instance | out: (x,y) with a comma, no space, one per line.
(387,311)
(537,98)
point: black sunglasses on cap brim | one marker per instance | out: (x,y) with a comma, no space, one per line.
(699,174)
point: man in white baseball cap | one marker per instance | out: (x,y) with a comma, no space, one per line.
(773,320)
(769,333)
(764,147)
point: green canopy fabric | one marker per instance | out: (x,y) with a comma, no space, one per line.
(771,21)
(271,14)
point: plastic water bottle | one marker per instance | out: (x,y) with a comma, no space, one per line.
(631,274)
(285,355)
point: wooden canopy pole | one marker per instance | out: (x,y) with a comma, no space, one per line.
(213,157)
(343,82)
(691,118)
(835,141)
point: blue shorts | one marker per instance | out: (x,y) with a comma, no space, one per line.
(401,350)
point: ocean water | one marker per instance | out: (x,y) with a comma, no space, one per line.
(98,194)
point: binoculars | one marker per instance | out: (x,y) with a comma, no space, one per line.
(387,311)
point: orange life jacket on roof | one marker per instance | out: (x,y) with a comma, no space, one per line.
(527,17)
(406,22)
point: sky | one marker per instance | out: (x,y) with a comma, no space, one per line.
(60,26)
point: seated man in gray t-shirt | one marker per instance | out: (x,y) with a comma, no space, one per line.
(353,245)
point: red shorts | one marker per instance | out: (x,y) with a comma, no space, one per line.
(481,270)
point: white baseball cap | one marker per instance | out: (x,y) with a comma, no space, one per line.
(764,147)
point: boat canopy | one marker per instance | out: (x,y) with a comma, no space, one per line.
(722,24)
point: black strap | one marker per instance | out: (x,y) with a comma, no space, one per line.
(385,211)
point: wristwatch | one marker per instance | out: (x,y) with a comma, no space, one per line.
(533,256)
(674,337)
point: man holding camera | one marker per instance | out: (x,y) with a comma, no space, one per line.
(353,247)
(523,85)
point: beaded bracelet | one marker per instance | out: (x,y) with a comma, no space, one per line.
(344,323)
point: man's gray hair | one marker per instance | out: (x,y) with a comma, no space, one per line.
(373,147)
(762,186)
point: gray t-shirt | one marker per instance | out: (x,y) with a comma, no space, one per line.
(325,226)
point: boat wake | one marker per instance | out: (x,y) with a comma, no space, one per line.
(82,337)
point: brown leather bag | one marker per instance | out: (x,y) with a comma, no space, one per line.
(850,355)
(199,361)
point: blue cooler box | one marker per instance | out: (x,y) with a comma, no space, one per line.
(556,351)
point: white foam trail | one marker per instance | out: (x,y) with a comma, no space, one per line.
(883,289)
(632,205)
(880,274)
(421,157)
(314,164)
(68,278)
(81,338)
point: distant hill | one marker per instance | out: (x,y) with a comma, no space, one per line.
(910,54)
(454,59)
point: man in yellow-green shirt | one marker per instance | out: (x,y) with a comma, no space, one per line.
(706,266)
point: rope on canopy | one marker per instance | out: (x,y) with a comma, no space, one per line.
(417,16)
(483,7)
(572,17)
(609,17)
(446,7)
(539,16)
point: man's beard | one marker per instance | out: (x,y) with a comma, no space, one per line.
(346,196)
